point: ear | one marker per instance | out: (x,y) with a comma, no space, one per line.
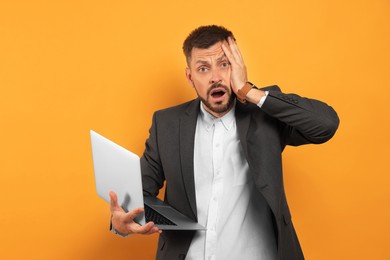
(189,77)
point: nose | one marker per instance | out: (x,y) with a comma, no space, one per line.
(215,77)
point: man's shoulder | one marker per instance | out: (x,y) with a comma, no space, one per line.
(187,107)
(271,88)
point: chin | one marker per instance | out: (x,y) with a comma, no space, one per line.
(220,108)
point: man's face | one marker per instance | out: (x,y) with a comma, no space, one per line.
(209,74)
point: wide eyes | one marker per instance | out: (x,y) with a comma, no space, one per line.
(222,65)
(203,69)
(225,64)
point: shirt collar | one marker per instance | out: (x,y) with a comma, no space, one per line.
(209,120)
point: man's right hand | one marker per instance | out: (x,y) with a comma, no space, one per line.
(124,222)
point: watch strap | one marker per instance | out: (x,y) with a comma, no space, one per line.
(242,92)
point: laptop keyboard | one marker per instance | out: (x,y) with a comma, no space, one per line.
(157,218)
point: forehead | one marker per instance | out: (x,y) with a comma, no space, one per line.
(213,52)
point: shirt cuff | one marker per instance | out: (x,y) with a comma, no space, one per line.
(116,232)
(262,99)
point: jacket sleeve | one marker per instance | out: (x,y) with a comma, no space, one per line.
(152,173)
(306,120)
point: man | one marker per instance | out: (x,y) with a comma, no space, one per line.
(220,156)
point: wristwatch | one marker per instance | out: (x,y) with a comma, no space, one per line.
(242,92)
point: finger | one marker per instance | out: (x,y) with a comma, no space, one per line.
(235,50)
(132,214)
(148,228)
(153,231)
(236,53)
(228,54)
(113,201)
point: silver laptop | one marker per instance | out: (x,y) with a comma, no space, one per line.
(118,170)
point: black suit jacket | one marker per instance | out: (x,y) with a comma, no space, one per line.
(284,119)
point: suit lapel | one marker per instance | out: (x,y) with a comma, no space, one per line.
(242,120)
(187,136)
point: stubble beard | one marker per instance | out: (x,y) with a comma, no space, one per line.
(219,107)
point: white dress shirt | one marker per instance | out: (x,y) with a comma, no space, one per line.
(237,217)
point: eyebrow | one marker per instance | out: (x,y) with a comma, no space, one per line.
(221,58)
(202,62)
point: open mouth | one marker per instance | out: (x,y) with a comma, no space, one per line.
(217,93)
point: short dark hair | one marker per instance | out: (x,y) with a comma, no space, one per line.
(203,37)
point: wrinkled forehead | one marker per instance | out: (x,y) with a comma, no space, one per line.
(214,52)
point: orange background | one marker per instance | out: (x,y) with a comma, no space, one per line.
(70,66)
